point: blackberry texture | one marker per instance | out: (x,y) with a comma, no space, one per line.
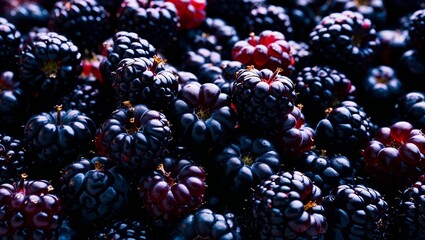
(10,40)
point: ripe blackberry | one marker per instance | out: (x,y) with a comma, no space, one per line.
(78,20)
(319,88)
(202,116)
(396,154)
(287,206)
(374,10)
(58,137)
(174,190)
(92,98)
(155,21)
(223,74)
(94,190)
(392,44)
(417,29)
(122,229)
(27,15)
(356,212)
(10,40)
(232,12)
(207,224)
(380,91)
(267,17)
(241,165)
(346,41)
(194,59)
(262,97)
(302,56)
(30,210)
(141,80)
(268,49)
(408,211)
(123,45)
(12,104)
(49,67)
(411,108)
(346,130)
(327,172)
(214,34)
(411,70)
(13,158)
(134,136)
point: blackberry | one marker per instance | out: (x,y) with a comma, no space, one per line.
(408,211)
(49,68)
(13,158)
(411,108)
(241,165)
(78,20)
(267,50)
(302,56)
(392,44)
(134,136)
(374,10)
(346,41)
(346,130)
(262,97)
(123,45)
(141,80)
(57,137)
(411,70)
(287,206)
(122,229)
(267,17)
(27,15)
(10,40)
(193,60)
(319,88)
(12,104)
(202,116)
(31,210)
(396,154)
(356,212)
(327,172)
(223,74)
(205,223)
(381,89)
(94,190)
(174,190)
(155,21)
(233,12)
(416,29)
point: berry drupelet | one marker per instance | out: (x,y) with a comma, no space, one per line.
(134,136)
(191,13)
(267,49)
(192,60)
(262,97)
(78,20)
(346,41)
(356,212)
(287,206)
(123,44)
(206,224)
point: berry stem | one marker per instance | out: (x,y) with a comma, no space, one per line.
(21,185)
(251,40)
(273,77)
(156,61)
(58,112)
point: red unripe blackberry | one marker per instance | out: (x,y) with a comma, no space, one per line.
(267,49)
(192,13)
(175,189)
(30,210)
